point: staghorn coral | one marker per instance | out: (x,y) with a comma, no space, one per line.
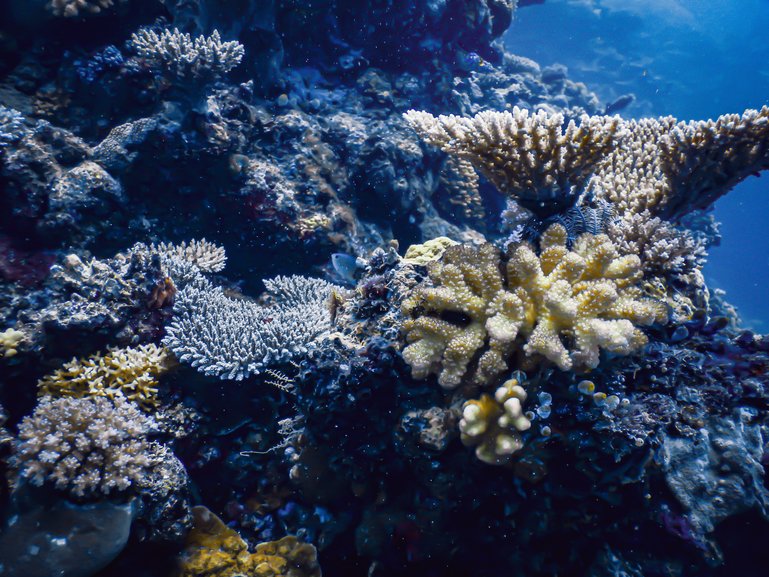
(87,447)
(566,304)
(9,342)
(233,338)
(532,158)
(74,8)
(130,372)
(492,424)
(215,550)
(205,57)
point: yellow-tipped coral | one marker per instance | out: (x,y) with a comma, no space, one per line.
(215,550)
(565,304)
(493,424)
(9,342)
(130,372)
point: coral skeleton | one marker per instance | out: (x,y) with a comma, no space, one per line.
(74,8)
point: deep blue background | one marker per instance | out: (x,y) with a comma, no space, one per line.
(693,59)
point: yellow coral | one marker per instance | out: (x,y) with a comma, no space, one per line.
(215,550)
(493,424)
(587,298)
(130,372)
(9,342)
(427,252)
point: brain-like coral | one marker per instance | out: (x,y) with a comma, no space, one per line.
(129,372)
(561,304)
(215,550)
(87,447)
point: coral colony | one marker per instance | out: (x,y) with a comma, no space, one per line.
(514,366)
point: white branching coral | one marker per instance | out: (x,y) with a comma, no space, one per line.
(233,337)
(534,158)
(207,256)
(73,8)
(493,424)
(204,57)
(665,250)
(565,305)
(88,447)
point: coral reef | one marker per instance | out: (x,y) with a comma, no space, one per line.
(300,416)
(87,447)
(130,373)
(589,295)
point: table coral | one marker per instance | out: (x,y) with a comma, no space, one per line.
(585,299)
(536,159)
(215,550)
(128,372)
(493,424)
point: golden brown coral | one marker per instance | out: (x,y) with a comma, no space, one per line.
(215,550)
(565,304)
(130,372)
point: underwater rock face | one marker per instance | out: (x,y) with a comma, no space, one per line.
(62,539)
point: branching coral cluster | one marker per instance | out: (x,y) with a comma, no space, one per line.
(233,338)
(88,447)
(204,57)
(565,305)
(130,372)
(531,157)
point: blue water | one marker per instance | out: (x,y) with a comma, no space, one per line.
(693,59)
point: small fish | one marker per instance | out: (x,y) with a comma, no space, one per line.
(345,266)
(470,61)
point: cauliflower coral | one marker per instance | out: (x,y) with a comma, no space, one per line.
(561,304)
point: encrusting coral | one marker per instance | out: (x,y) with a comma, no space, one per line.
(215,550)
(88,447)
(130,372)
(492,424)
(565,304)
